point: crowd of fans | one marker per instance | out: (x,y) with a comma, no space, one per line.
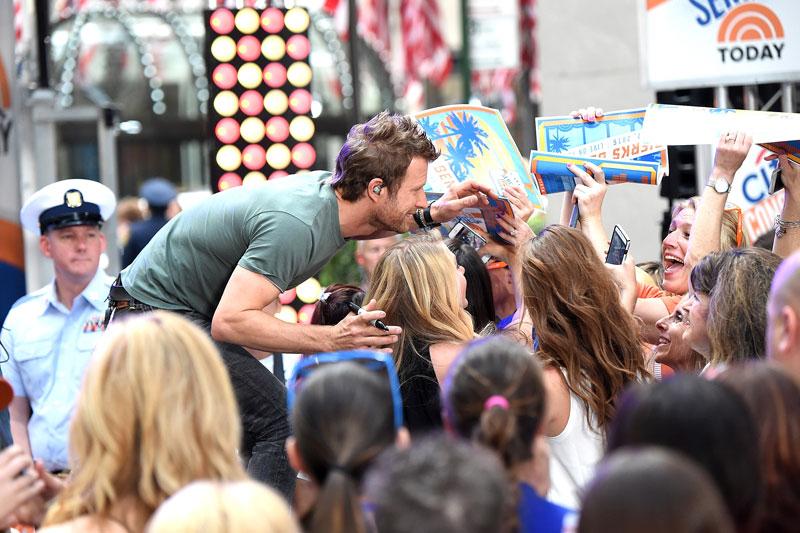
(530,387)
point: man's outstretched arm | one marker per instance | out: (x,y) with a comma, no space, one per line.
(240,319)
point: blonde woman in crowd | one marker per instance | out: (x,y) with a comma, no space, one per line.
(422,289)
(224,507)
(155,413)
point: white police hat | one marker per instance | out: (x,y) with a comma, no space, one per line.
(67,203)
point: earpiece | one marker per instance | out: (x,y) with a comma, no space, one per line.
(377,189)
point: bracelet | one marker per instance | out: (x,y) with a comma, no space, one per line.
(782,225)
(424,219)
(418,218)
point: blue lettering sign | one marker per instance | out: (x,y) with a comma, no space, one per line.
(706,18)
(752,198)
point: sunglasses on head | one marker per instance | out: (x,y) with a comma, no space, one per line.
(378,362)
(736,210)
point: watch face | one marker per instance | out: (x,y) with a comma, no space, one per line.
(721,186)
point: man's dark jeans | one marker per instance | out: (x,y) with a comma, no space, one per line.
(262,408)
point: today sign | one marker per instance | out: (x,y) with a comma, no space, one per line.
(695,43)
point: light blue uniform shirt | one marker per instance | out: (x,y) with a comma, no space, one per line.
(49,347)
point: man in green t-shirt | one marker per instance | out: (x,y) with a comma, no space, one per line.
(224,261)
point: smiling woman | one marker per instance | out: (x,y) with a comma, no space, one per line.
(728,315)
(675,244)
(654,304)
(670,348)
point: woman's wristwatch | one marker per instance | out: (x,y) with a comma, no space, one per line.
(719,184)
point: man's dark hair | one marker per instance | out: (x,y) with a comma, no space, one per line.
(439,484)
(381,148)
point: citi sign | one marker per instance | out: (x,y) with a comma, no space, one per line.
(750,32)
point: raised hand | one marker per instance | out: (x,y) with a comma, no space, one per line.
(590,192)
(731,152)
(625,277)
(589,114)
(460,196)
(523,207)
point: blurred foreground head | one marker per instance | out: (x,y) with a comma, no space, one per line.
(156,412)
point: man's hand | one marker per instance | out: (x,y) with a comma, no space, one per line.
(731,152)
(357,331)
(459,197)
(18,484)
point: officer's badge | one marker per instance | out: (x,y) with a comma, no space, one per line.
(95,323)
(73,198)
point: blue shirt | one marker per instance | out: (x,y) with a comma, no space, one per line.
(537,515)
(49,347)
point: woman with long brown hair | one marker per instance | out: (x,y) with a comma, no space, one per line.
(156,412)
(589,345)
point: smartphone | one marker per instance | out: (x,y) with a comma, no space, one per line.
(467,235)
(776,180)
(618,249)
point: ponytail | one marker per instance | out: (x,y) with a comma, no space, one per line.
(338,505)
(497,430)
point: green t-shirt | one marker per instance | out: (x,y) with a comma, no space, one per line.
(286,230)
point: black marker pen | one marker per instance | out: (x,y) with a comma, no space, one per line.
(360,311)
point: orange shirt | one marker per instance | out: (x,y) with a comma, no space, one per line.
(669,300)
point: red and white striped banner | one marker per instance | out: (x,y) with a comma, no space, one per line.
(427,56)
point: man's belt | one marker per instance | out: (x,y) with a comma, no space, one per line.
(120,300)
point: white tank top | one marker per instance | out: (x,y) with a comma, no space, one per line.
(574,454)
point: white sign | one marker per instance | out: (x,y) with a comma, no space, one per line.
(694,43)
(493,34)
(671,124)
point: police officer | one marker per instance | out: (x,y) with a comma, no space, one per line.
(50,333)
(160,196)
